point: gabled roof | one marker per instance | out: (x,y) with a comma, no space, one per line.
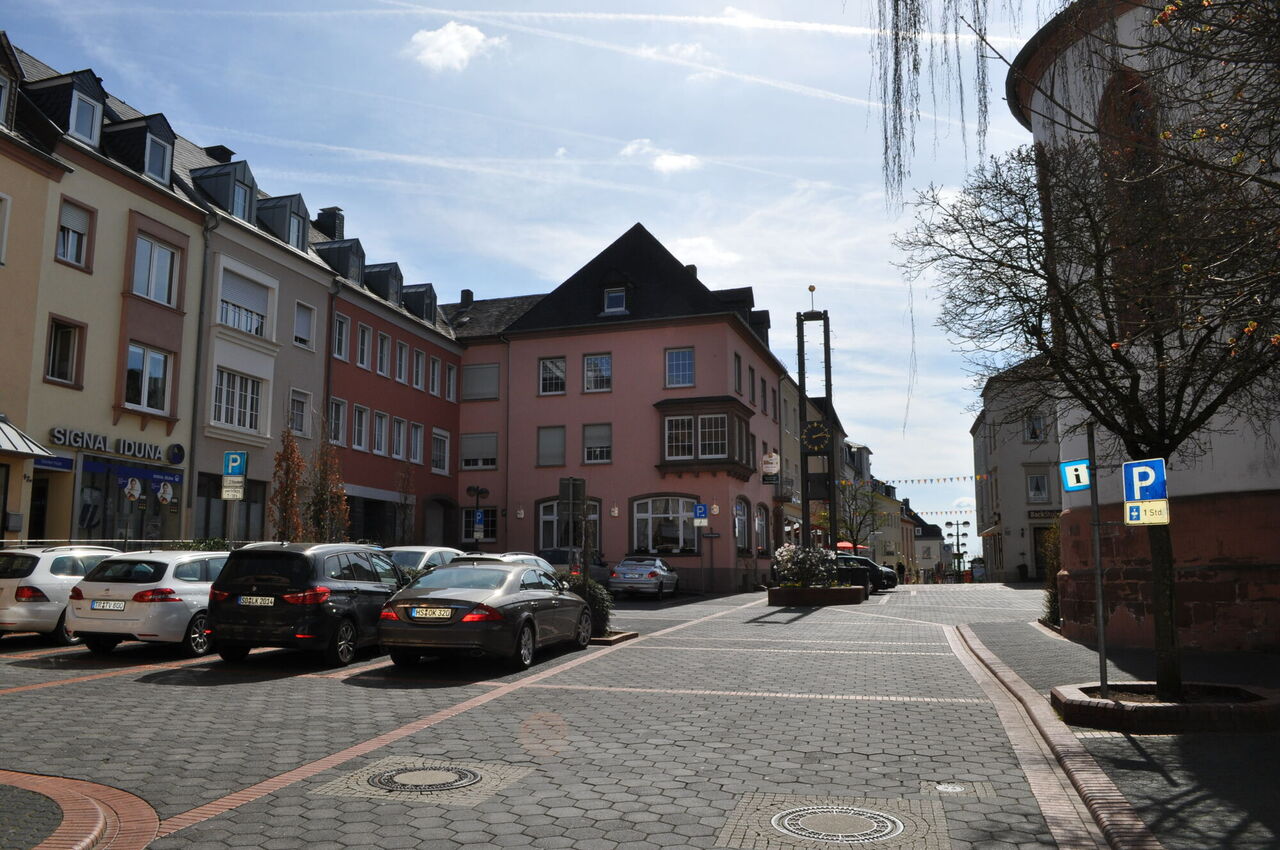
(488,317)
(658,287)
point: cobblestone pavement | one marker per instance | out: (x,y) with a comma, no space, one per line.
(28,817)
(1194,791)
(727,724)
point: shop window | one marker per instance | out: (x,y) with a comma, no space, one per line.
(663,524)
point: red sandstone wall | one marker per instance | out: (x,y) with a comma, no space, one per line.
(1227,572)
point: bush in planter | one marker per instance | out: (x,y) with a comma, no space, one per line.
(599,600)
(805,567)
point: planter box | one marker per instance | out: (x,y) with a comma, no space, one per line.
(813,597)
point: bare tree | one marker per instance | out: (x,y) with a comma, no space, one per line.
(1144,296)
(325,511)
(285,501)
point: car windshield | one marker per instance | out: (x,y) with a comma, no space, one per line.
(406,559)
(472,578)
(13,565)
(283,569)
(127,572)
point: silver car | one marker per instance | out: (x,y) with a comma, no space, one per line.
(35,583)
(159,597)
(643,574)
(421,558)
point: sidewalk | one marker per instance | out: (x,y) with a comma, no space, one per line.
(1193,791)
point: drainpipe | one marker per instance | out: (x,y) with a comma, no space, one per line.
(211,222)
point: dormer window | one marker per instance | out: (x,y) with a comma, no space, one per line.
(159,156)
(86,118)
(615,300)
(297,230)
(4,98)
(240,201)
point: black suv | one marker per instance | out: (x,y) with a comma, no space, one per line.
(321,597)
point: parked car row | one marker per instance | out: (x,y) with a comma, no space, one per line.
(857,569)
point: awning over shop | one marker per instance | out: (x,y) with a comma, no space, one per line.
(990,532)
(14,442)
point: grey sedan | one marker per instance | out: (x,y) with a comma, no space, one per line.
(483,606)
(643,574)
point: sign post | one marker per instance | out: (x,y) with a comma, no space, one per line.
(1099,610)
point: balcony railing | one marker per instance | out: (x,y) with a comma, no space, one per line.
(241,318)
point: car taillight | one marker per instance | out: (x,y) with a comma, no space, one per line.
(218,595)
(76,593)
(482,614)
(653,574)
(388,613)
(25,593)
(613,573)
(160,594)
(314,596)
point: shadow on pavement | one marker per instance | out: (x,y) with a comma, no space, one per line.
(769,617)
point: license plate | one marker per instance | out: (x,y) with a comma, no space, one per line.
(430,613)
(632,575)
(106,605)
(257,600)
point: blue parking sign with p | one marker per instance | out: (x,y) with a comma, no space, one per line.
(235,463)
(1144,480)
(699,511)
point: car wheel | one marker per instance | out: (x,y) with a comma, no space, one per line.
(405,657)
(61,635)
(582,634)
(661,593)
(195,642)
(100,645)
(522,653)
(233,653)
(341,650)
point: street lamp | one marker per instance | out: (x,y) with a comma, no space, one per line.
(957,538)
(477,519)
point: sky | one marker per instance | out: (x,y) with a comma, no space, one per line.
(499,146)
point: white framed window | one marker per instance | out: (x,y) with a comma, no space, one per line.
(297,231)
(337,422)
(415,442)
(397,438)
(379,432)
(64,358)
(479,381)
(1033,428)
(364,346)
(304,323)
(146,383)
(433,385)
(554,526)
(240,200)
(419,368)
(384,354)
(243,303)
(597,373)
(439,451)
(741,530)
(158,159)
(551,445)
(402,362)
(680,372)
(551,376)
(237,400)
(713,435)
(86,118)
(1037,488)
(678,437)
(663,524)
(75,223)
(615,300)
(478,451)
(597,443)
(360,428)
(299,410)
(450,382)
(153,270)
(341,335)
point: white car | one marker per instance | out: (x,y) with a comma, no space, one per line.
(34,584)
(424,558)
(160,597)
(643,574)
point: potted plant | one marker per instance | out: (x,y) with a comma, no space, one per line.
(806,576)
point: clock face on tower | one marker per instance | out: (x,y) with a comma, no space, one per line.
(816,437)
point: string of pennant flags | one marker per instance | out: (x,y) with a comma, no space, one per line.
(949,479)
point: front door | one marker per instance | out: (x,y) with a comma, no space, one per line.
(1038,536)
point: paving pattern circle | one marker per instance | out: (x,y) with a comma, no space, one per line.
(950,787)
(837,824)
(424,780)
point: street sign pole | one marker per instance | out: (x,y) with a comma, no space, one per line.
(1099,611)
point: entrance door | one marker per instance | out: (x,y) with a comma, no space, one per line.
(1038,536)
(39,507)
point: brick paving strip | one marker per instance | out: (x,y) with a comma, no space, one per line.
(1110,808)
(306,771)
(768,694)
(93,815)
(106,674)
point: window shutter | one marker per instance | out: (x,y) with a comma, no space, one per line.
(239,290)
(74,218)
(551,446)
(302,322)
(597,436)
(480,381)
(476,446)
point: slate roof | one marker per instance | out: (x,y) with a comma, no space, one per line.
(488,317)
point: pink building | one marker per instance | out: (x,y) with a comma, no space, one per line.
(657,392)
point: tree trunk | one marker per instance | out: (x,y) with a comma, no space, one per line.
(1164,603)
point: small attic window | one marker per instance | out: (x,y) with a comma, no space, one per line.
(4,98)
(615,300)
(86,118)
(240,201)
(159,157)
(297,231)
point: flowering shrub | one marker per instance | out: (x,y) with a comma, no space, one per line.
(804,567)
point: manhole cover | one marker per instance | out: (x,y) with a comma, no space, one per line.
(950,787)
(837,824)
(424,779)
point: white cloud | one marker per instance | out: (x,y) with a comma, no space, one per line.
(685,52)
(703,252)
(661,161)
(452,47)
(562,152)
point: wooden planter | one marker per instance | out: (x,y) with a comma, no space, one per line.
(814,597)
